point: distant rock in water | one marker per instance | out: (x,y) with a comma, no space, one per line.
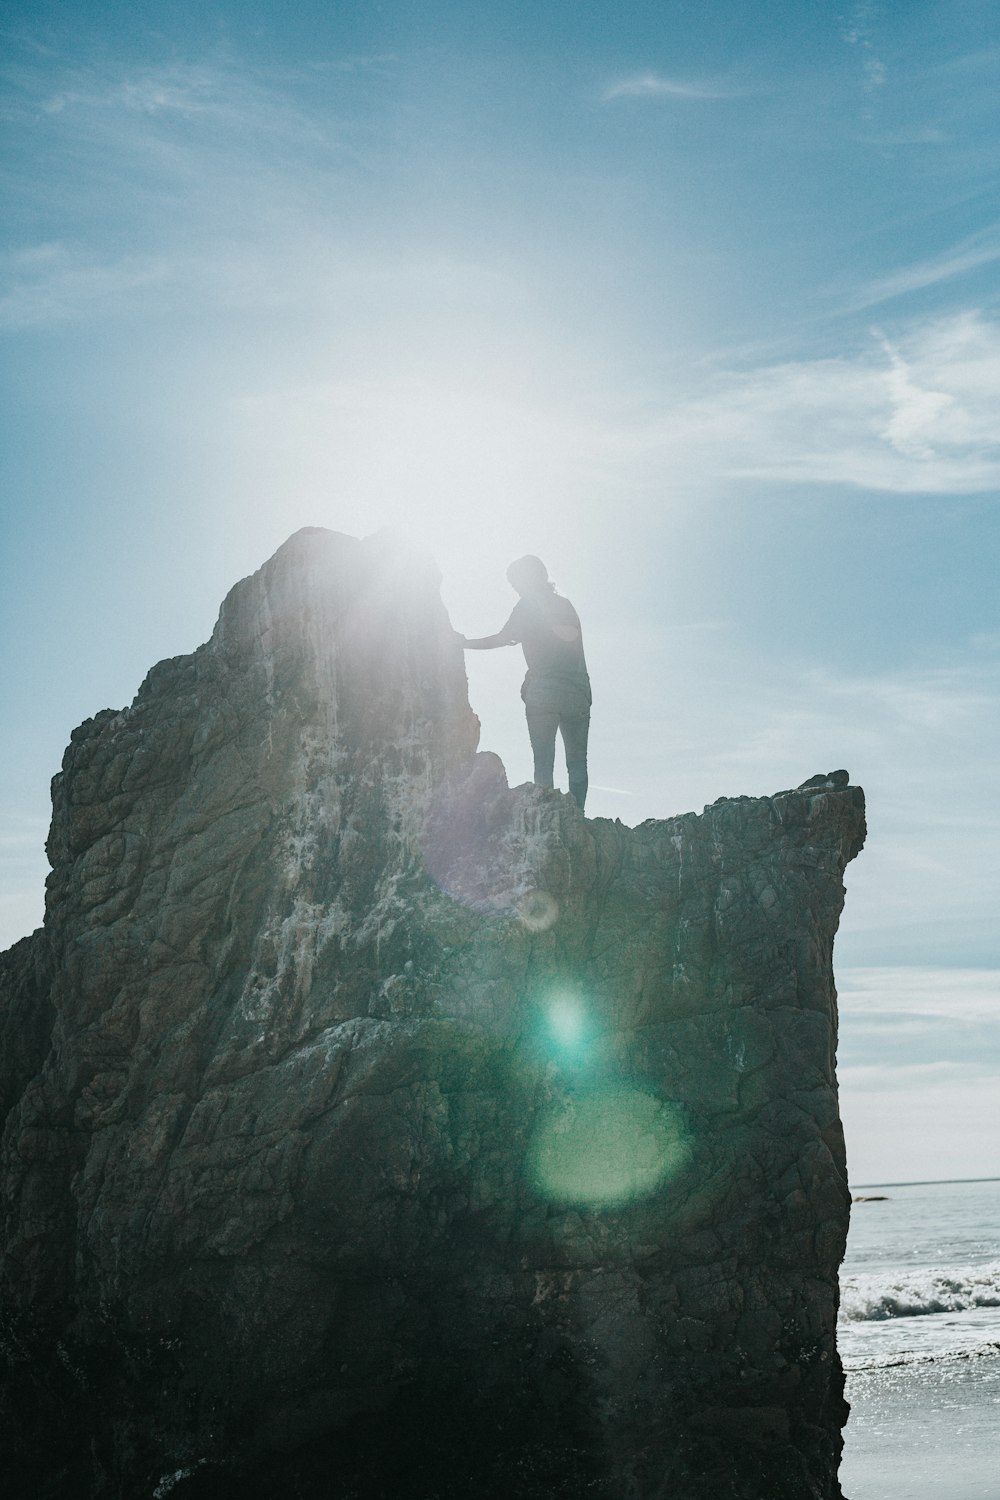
(376,1130)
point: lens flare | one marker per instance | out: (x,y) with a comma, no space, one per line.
(565,1031)
(565,1022)
(606,1147)
(538,910)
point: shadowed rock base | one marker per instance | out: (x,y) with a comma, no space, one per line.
(375,1129)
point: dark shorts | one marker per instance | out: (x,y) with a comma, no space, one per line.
(562,695)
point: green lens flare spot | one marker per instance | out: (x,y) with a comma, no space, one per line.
(566,1022)
(606,1147)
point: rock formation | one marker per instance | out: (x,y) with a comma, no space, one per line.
(374,1129)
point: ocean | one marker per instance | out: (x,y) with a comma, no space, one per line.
(919,1337)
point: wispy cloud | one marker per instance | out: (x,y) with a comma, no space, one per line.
(362,62)
(917,415)
(859,32)
(172,143)
(952,995)
(52,283)
(181,188)
(916,411)
(650,85)
(188,92)
(879,1077)
(927,135)
(294,272)
(919,739)
(132,106)
(978,250)
(176,184)
(882,724)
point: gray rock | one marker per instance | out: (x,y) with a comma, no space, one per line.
(373,1128)
(827,778)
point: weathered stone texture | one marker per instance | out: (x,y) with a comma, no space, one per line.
(375,1129)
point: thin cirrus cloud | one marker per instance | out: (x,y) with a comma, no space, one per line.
(968,255)
(897,1020)
(915,415)
(911,413)
(650,85)
(859,32)
(750,727)
(51,283)
(114,104)
(208,139)
(284,268)
(928,135)
(929,862)
(885,726)
(954,995)
(160,91)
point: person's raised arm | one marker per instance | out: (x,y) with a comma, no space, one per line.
(485,642)
(507,635)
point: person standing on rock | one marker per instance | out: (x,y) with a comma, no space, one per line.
(556,690)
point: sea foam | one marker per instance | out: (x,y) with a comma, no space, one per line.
(913,1294)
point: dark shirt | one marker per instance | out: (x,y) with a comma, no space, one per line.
(546,653)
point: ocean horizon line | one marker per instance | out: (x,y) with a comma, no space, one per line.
(923,1182)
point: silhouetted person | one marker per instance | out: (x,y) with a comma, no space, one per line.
(556,691)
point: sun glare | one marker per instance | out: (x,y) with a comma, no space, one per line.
(606,1147)
(566,1022)
(466,469)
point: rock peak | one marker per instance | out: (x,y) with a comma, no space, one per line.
(373,1127)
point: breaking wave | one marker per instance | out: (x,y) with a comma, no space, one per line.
(914,1294)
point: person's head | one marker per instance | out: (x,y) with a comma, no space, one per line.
(528,575)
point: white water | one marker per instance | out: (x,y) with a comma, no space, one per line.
(919,1336)
(915,1294)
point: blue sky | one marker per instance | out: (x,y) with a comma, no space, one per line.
(699,302)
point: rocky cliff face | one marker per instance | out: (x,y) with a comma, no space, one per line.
(373,1129)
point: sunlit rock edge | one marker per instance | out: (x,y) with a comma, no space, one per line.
(375,1128)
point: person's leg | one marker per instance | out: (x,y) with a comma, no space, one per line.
(575,729)
(542,726)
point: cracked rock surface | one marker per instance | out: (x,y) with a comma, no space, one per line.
(375,1129)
